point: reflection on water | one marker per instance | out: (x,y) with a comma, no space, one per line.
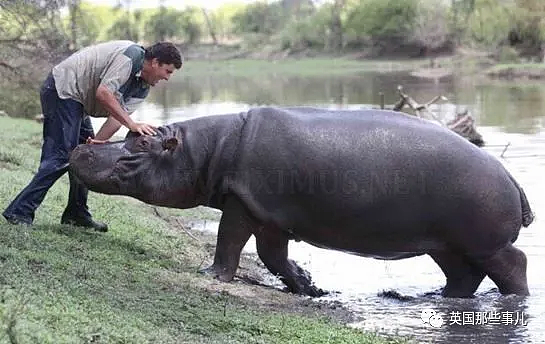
(505,113)
(514,107)
(290,90)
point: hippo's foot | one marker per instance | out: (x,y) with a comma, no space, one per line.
(272,248)
(310,290)
(507,268)
(221,273)
(463,277)
(233,233)
(298,281)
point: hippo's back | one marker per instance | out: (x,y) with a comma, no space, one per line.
(354,139)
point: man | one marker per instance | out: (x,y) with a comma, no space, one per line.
(107,79)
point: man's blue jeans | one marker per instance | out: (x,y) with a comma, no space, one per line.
(64,127)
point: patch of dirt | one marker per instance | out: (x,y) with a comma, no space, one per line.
(253,283)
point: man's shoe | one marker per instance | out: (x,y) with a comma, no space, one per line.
(17,221)
(86,222)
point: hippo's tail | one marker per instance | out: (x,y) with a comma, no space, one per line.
(527,214)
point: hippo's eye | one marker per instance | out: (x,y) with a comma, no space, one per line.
(142,145)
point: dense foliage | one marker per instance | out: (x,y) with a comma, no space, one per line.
(34,34)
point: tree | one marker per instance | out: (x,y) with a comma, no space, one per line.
(384,23)
(171,24)
(298,9)
(83,24)
(335,42)
(209,25)
(32,39)
(310,32)
(489,23)
(221,19)
(431,27)
(123,27)
(528,31)
(461,10)
(74,8)
(259,17)
(191,28)
(164,24)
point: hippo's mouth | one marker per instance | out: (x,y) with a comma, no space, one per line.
(95,165)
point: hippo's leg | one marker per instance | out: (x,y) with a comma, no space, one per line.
(463,278)
(507,268)
(272,248)
(234,231)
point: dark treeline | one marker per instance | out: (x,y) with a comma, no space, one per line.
(35,34)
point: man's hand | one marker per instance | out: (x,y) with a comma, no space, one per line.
(142,128)
(105,97)
(93,141)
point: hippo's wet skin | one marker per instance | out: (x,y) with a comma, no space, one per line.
(373,183)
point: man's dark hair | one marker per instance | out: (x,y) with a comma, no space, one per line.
(164,52)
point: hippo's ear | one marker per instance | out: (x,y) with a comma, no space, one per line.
(170,144)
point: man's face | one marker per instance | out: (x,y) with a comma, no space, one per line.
(157,71)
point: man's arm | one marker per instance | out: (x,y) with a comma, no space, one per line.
(108,129)
(110,103)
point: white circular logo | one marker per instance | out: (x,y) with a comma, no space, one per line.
(436,321)
(426,315)
(429,316)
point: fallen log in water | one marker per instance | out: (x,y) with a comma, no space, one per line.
(463,123)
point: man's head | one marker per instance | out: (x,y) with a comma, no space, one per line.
(160,61)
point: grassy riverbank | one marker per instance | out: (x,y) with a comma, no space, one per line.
(202,60)
(518,71)
(299,67)
(138,282)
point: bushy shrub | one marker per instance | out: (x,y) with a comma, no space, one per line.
(259,17)
(382,20)
(311,32)
(507,54)
(489,23)
(527,31)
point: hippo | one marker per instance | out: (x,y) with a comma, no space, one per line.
(373,183)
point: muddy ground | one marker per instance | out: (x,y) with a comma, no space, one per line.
(253,283)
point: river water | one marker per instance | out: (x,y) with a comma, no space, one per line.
(507,113)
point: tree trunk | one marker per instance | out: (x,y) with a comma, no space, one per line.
(74,8)
(335,43)
(209,25)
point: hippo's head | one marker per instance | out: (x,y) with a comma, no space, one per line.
(150,168)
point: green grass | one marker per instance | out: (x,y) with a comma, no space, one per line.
(535,66)
(302,67)
(138,283)
(520,71)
